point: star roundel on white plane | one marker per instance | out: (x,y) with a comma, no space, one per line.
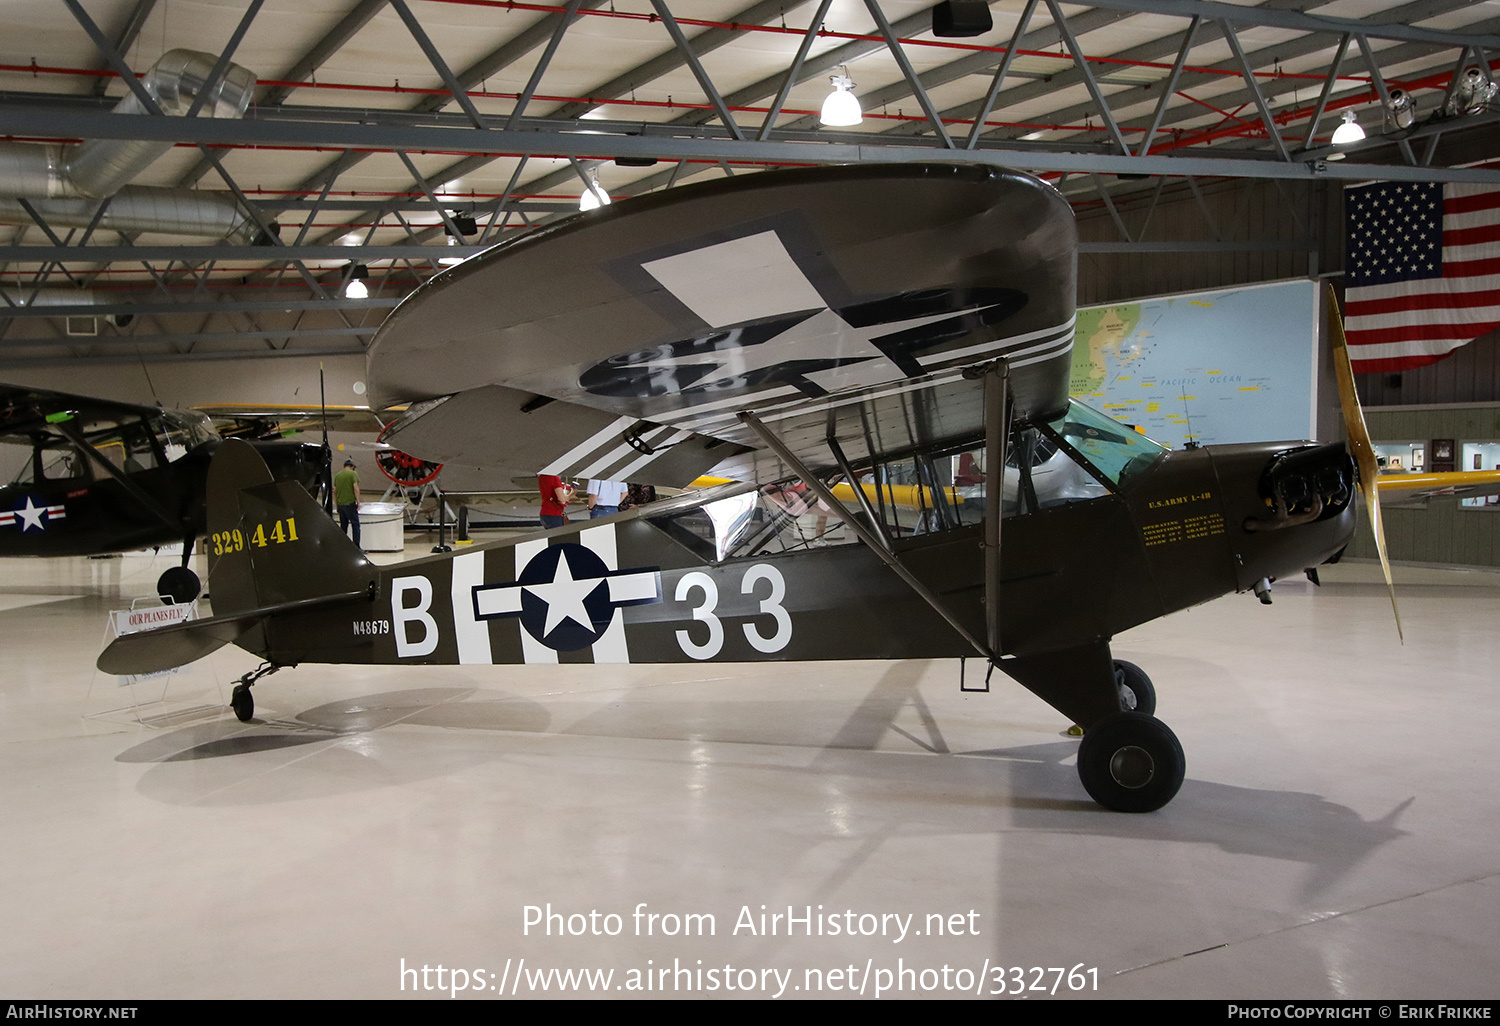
(566,596)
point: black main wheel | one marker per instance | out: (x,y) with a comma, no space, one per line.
(1137,693)
(1131,762)
(179,584)
(242,702)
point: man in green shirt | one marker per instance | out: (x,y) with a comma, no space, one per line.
(346,498)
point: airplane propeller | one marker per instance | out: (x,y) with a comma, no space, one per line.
(327,481)
(1359,442)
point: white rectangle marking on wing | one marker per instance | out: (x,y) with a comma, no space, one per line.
(737,281)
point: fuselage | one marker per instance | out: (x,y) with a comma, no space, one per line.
(656,588)
(77,509)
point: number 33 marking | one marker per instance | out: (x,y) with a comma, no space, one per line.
(704,612)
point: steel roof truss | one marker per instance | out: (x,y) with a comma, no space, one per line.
(500,208)
(1328,83)
(1272,17)
(1080,61)
(704,82)
(1109,205)
(790,80)
(426,188)
(325,48)
(1273,132)
(112,55)
(542,62)
(438,64)
(222,64)
(1382,91)
(260,221)
(999,79)
(126,38)
(1169,89)
(907,71)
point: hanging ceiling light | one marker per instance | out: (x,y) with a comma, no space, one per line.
(593,196)
(841,108)
(356,288)
(1349,132)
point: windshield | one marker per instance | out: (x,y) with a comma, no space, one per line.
(1113,449)
(182,431)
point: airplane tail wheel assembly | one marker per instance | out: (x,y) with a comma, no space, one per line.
(1131,762)
(179,584)
(241,700)
(1136,690)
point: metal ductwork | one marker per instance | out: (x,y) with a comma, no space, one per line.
(63,180)
(139,208)
(23,297)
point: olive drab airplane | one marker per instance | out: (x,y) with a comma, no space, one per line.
(104,476)
(877,356)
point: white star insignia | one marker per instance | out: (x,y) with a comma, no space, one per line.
(31,515)
(564,597)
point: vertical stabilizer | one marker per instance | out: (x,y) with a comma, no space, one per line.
(269,543)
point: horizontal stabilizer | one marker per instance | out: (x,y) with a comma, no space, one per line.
(165,648)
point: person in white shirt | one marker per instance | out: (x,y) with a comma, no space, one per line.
(604,497)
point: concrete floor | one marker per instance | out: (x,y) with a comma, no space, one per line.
(1338,834)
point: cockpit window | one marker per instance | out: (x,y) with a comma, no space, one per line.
(1111,448)
(781,517)
(56,461)
(183,431)
(1078,457)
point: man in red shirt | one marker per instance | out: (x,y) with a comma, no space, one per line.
(555,496)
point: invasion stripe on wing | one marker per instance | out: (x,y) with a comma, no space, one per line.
(622,451)
(663,446)
(1054,340)
(1038,353)
(589,445)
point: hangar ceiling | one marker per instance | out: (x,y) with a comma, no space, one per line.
(160,206)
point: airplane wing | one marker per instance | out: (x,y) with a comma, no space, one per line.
(257,419)
(622,343)
(27,412)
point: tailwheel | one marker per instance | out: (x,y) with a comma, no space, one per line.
(1131,762)
(242,702)
(179,584)
(1136,690)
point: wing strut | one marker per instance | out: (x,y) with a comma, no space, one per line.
(997,412)
(865,534)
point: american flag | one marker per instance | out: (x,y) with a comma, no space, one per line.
(1422,271)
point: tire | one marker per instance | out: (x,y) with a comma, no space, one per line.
(1131,762)
(179,584)
(1137,693)
(242,702)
